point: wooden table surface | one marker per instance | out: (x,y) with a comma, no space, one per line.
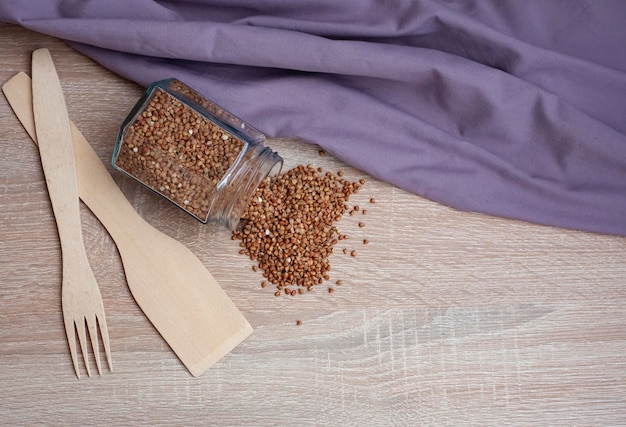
(445,318)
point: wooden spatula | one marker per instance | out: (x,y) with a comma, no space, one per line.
(172,287)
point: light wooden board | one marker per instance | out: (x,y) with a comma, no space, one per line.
(445,318)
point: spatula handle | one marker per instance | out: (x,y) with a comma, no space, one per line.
(95,185)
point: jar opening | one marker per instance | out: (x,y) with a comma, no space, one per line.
(258,164)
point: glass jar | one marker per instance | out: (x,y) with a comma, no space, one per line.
(194,153)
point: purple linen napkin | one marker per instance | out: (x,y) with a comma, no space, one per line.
(511,108)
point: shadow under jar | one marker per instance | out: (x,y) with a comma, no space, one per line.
(194,153)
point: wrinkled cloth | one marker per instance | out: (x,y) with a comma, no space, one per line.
(506,107)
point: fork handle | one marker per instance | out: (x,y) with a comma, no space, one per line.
(57,152)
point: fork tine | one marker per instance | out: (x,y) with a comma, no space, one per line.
(82,339)
(71,339)
(93,336)
(104,333)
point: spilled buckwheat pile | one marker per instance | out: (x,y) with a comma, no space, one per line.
(288,227)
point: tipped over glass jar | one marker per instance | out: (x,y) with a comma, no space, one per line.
(194,153)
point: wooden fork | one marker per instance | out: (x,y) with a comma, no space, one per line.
(81,299)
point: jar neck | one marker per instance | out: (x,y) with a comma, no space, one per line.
(234,192)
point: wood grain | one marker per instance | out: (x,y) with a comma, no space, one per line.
(444,318)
